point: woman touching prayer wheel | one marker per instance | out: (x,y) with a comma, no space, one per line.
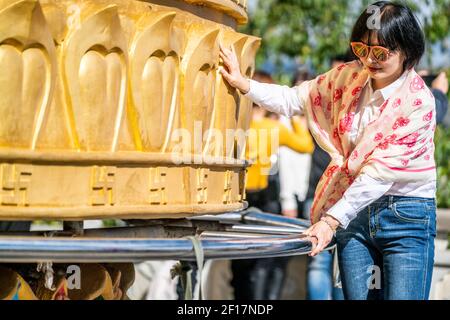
(376,118)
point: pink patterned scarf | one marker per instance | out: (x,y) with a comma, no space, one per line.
(398,146)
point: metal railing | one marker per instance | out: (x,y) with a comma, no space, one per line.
(238,235)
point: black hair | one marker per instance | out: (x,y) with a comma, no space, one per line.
(262,74)
(344,57)
(399,30)
(302,74)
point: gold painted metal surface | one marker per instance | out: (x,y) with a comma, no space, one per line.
(92,94)
(235,8)
(227,12)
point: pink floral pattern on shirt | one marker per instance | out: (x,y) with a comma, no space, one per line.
(318,100)
(337,95)
(356,91)
(378,136)
(354,155)
(417,84)
(410,140)
(428,116)
(401,122)
(397,103)
(345,124)
(417,103)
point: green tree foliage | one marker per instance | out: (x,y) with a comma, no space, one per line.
(320,29)
(442,156)
(438,26)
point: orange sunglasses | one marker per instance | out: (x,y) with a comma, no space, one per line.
(362,50)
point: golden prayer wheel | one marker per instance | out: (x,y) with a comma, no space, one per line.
(116,109)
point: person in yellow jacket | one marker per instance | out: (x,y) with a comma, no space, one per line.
(263,144)
(262,279)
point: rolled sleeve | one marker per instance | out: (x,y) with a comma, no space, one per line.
(358,196)
(343,212)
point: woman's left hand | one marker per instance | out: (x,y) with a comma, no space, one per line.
(323,232)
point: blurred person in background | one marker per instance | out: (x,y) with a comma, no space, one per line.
(15,226)
(439,87)
(294,167)
(262,279)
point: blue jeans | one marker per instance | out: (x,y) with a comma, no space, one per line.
(387,252)
(320,278)
(319,272)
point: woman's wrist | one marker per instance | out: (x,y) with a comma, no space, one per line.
(332,222)
(243,85)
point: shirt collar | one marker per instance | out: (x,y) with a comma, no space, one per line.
(387,91)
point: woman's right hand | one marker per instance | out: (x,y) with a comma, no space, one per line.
(231,71)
